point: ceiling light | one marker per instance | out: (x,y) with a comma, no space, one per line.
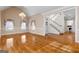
(22,15)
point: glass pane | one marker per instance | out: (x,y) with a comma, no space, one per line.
(70,22)
(9,25)
(23,26)
(33,26)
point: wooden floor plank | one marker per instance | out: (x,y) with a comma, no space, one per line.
(38,44)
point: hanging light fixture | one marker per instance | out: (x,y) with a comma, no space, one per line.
(22,15)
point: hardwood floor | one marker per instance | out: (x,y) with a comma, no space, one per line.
(40,44)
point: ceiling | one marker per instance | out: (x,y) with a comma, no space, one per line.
(70,14)
(32,10)
(3,7)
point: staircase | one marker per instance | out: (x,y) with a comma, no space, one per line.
(56,24)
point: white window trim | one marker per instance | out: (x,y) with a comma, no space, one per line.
(7,26)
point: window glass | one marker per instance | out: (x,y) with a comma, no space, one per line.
(33,25)
(70,22)
(23,26)
(9,25)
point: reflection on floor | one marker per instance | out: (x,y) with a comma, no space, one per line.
(37,44)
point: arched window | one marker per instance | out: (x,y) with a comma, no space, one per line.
(9,25)
(23,25)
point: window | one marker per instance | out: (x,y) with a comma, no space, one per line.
(69,22)
(9,26)
(23,26)
(33,25)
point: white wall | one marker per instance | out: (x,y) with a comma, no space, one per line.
(40,24)
(0,23)
(77,25)
(73,26)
